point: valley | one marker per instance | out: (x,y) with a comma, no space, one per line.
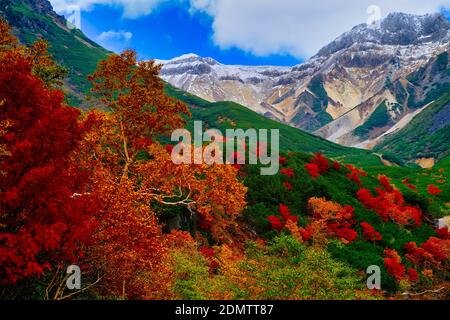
(88,176)
(337,93)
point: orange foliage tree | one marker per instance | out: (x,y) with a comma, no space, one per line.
(133,176)
(334,219)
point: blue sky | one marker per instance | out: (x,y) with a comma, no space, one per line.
(247,32)
(170,31)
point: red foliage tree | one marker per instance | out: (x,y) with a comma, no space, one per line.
(275,223)
(443,233)
(306,233)
(355,174)
(433,190)
(336,165)
(438,248)
(338,220)
(313,170)
(286,215)
(385,182)
(210,256)
(390,205)
(392,262)
(43,220)
(318,165)
(369,233)
(321,162)
(288,172)
(413,276)
(287,185)
(434,253)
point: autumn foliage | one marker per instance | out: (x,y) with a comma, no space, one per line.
(369,232)
(42,221)
(393,264)
(286,216)
(100,189)
(433,190)
(88,189)
(318,166)
(338,220)
(390,204)
(355,174)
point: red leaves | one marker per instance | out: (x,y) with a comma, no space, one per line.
(343,226)
(433,190)
(287,185)
(43,224)
(169,148)
(288,172)
(431,253)
(438,248)
(319,165)
(346,233)
(336,165)
(393,265)
(409,185)
(337,219)
(275,223)
(313,170)
(413,276)
(355,174)
(285,213)
(210,256)
(369,233)
(443,233)
(207,252)
(385,183)
(306,233)
(390,205)
(321,162)
(371,202)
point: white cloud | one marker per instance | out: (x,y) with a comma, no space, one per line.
(299,28)
(131,8)
(263,27)
(115,35)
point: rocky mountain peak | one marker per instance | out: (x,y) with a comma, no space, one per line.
(190,58)
(42,7)
(397,29)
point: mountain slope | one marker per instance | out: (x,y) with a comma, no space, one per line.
(213,81)
(33,19)
(426,136)
(337,90)
(229,115)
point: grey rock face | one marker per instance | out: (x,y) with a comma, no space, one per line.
(395,29)
(358,70)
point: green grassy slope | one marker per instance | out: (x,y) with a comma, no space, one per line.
(378,119)
(71,48)
(226,115)
(267,192)
(426,136)
(421,178)
(80,56)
